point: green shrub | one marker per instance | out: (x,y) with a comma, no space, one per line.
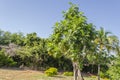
(68,73)
(104,75)
(105,79)
(51,71)
(93,76)
(6,60)
(114,70)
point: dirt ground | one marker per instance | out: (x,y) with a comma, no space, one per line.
(16,74)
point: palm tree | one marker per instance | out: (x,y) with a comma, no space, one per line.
(105,43)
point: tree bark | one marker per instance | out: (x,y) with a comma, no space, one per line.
(75,70)
(98,71)
(80,77)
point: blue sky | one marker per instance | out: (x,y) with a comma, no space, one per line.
(40,15)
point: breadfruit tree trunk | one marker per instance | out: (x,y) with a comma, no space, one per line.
(77,72)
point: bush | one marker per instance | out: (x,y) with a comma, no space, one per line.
(105,79)
(114,70)
(93,76)
(5,60)
(68,73)
(104,75)
(51,71)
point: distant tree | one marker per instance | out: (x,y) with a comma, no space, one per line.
(31,39)
(5,37)
(1,36)
(18,38)
(33,50)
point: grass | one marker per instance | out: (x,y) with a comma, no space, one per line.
(15,74)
